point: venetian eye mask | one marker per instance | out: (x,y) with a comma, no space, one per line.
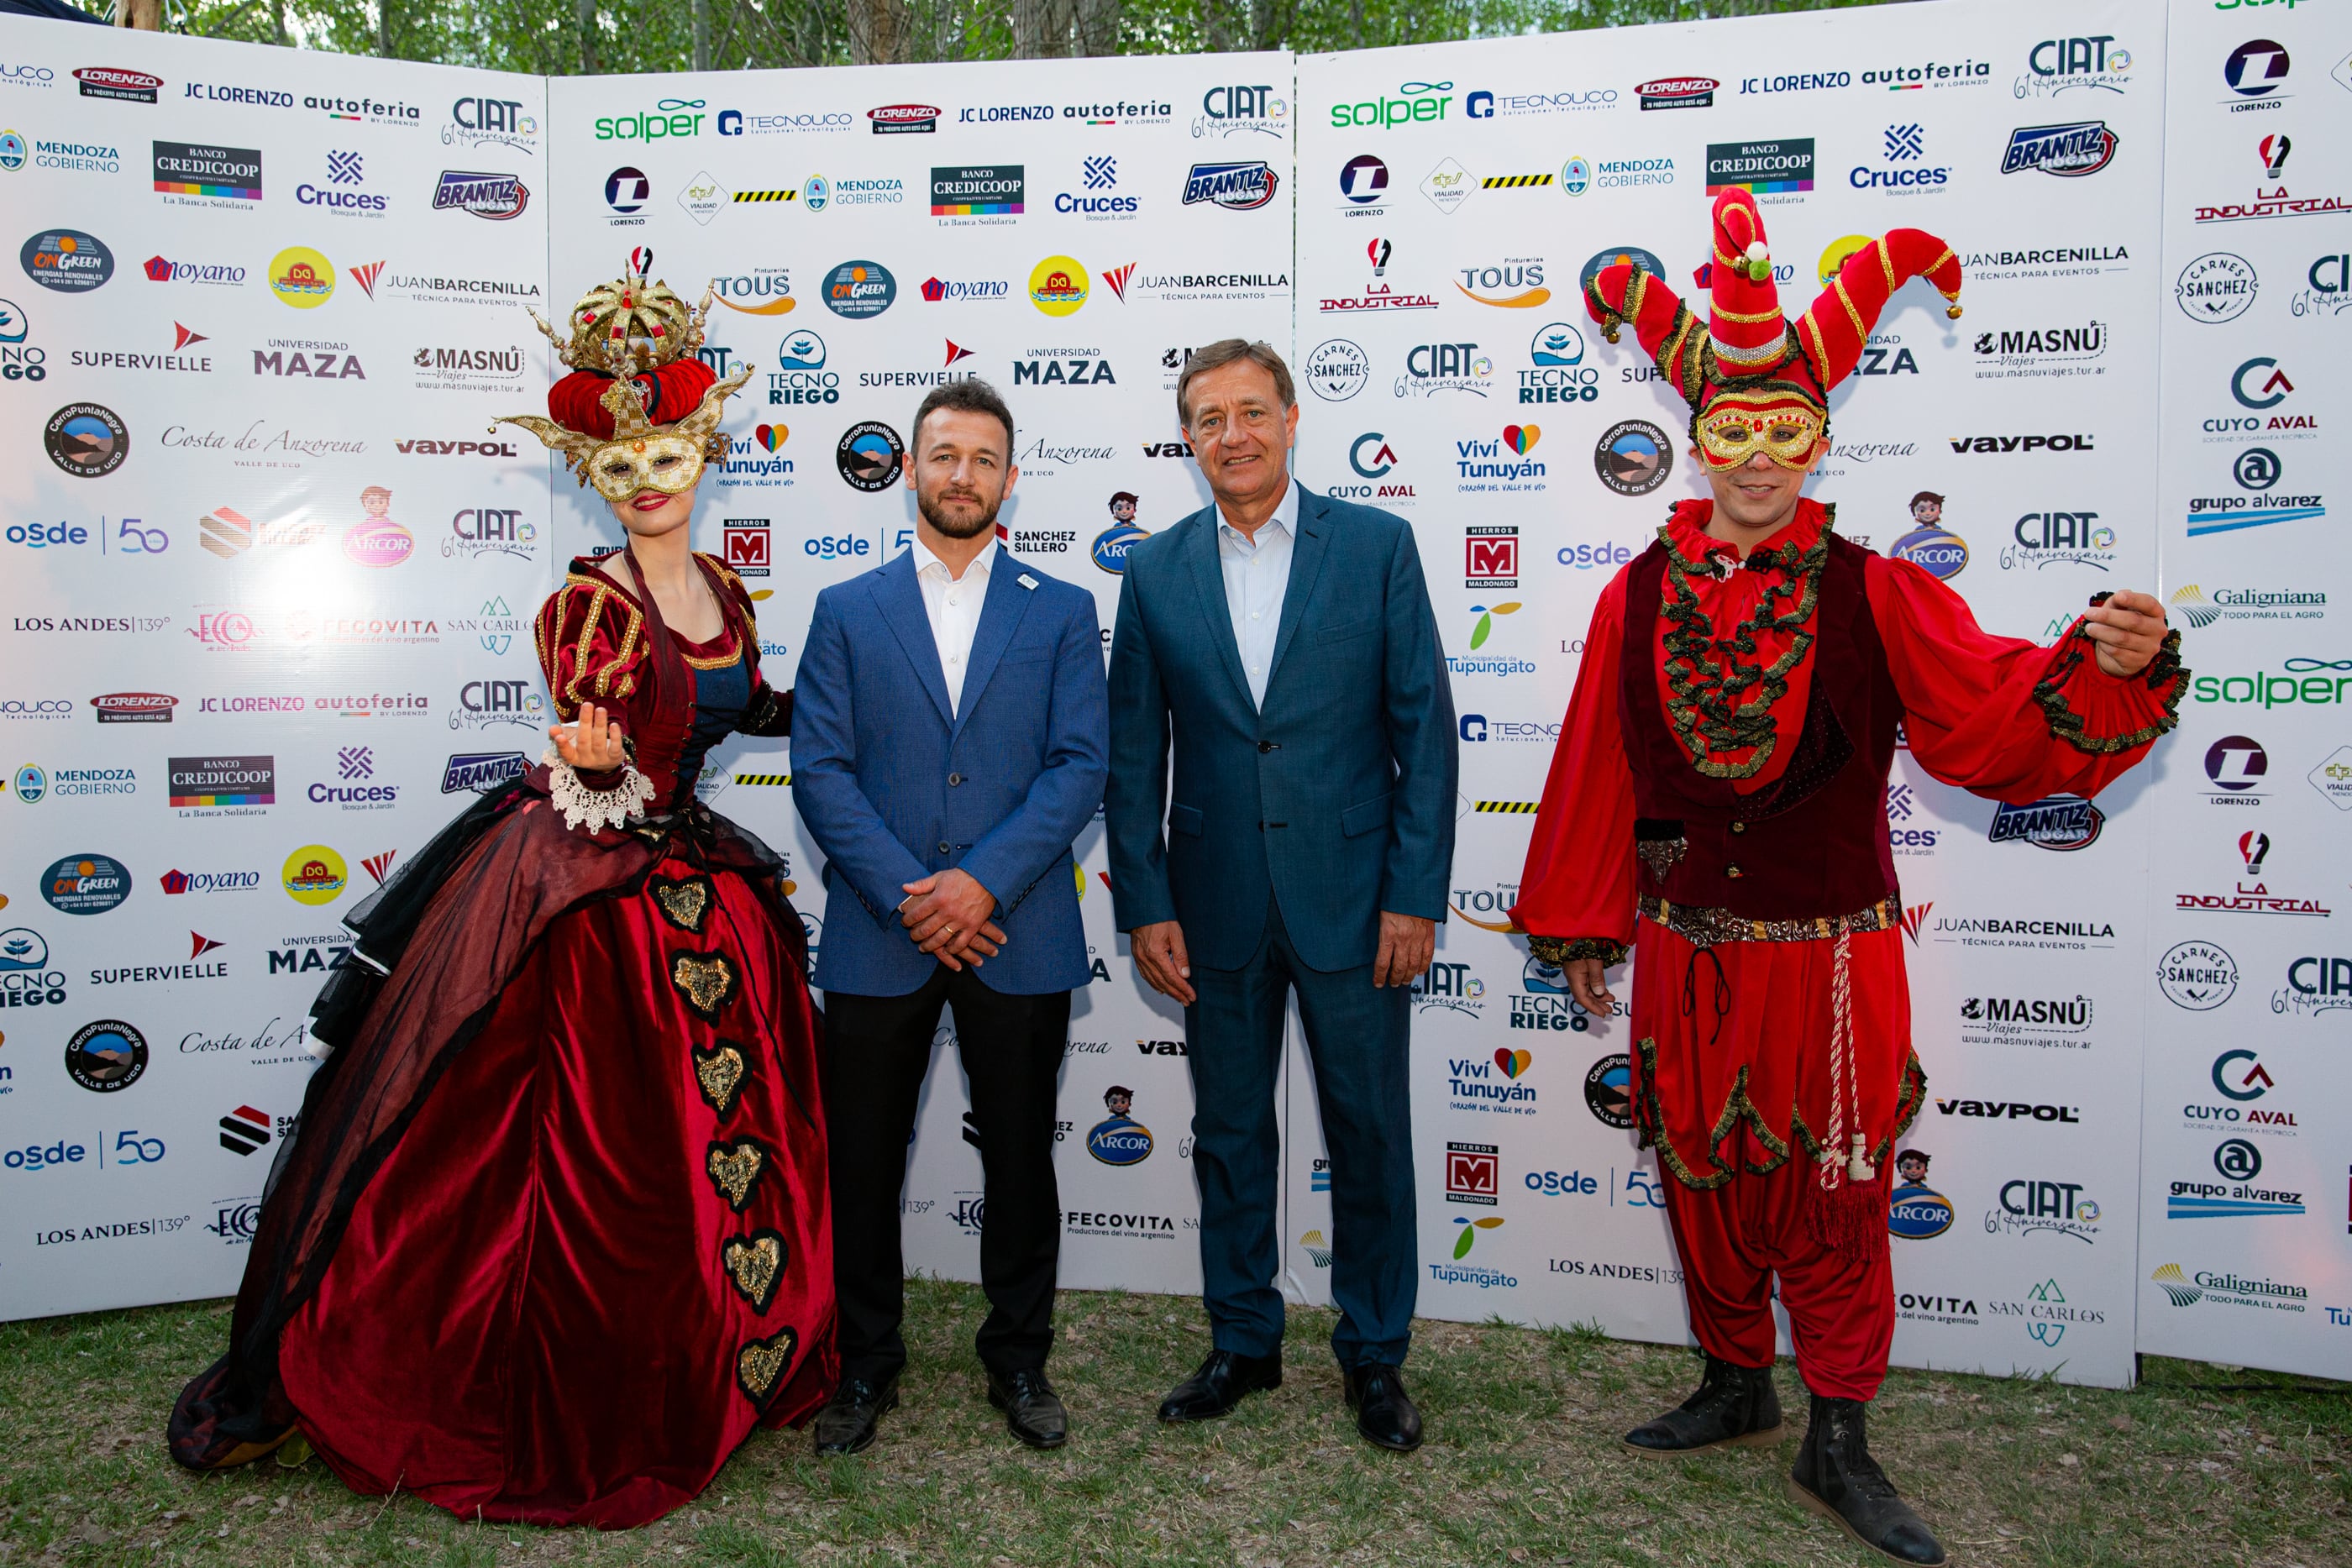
(669,463)
(1730,433)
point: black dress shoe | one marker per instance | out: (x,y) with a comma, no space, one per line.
(1836,1477)
(1033,1411)
(1219,1384)
(1735,1408)
(1385,1412)
(846,1424)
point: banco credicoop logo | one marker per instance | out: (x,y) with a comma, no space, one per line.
(106,1056)
(1915,1210)
(1119,1139)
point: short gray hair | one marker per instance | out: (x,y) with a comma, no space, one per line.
(1225,351)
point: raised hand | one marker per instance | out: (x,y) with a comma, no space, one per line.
(592,744)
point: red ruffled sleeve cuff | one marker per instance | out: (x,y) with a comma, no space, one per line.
(2100,714)
(1558,951)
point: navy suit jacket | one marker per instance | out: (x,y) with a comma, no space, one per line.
(894,786)
(1338,798)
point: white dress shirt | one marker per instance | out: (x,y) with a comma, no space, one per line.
(1257,576)
(952,604)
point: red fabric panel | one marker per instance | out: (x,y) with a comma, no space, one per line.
(528,1315)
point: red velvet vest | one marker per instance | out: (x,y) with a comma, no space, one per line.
(1812,844)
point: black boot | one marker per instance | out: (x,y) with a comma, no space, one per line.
(1836,1477)
(1735,1408)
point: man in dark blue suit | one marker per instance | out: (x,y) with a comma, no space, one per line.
(1284,644)
(948,744)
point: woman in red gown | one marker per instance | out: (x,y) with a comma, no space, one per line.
(554,1235)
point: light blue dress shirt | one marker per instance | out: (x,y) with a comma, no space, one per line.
(1257,575)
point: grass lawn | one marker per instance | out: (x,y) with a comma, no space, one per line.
(2200,1466)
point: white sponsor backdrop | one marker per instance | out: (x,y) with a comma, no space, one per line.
(1467,415)
(2243,1221)
(312,666)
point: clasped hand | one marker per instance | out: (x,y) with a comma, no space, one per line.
(2127,629)
(946,914)
(592,744)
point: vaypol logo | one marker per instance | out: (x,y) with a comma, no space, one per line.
(1119,1139)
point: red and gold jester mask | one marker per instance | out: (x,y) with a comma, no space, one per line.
(1755,381)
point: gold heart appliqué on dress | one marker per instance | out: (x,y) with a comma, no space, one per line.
(733,1168)
(755,1262)
(720,1072)
(684,902)
(706,982)
(760,1363)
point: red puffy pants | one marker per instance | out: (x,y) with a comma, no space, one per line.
(1735,1237)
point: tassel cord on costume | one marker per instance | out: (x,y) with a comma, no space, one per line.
(1722,990)
(1847,1211)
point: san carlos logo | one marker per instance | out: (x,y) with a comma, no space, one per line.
(1119,1139)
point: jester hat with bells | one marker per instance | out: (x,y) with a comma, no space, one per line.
(1755,381)
(639,411)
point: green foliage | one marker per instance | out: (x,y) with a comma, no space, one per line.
(570,37)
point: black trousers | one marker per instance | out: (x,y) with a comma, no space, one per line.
(877,1049)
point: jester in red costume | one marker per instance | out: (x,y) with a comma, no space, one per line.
(1717,806)
(553,1238)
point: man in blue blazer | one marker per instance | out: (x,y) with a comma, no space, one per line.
(948,744)
(1284,644)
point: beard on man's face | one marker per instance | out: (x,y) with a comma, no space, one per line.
(958,526)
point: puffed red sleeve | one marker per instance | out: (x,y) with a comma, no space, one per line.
(1576,893)
(2002,718)
(592,646)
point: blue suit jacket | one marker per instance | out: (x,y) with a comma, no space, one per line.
(894,786)
(1337,798)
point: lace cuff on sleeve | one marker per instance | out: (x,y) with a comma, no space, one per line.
(595,809)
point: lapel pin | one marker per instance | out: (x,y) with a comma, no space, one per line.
(1026,580)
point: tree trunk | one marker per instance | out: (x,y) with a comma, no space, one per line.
(383,29)
(1098,26)
(146,16)
(700,11)
(1216,25)
(877,32)
(1029,29)
(584,15)
(277,15)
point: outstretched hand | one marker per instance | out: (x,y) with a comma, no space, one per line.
(2127,629)
(592,744)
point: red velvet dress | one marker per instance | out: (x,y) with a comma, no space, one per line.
(1733,1079)
(595,1251)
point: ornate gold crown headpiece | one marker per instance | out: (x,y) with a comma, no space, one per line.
(631,332)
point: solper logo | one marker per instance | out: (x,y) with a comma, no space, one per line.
(1416,103)
(668,119)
